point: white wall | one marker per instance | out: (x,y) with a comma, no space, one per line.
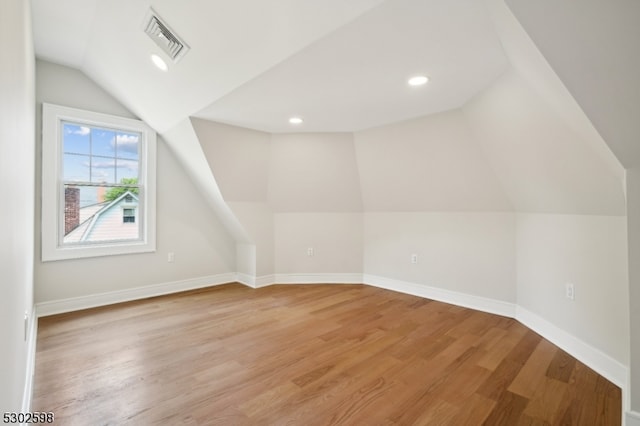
(591,253)
(336,240)
(428,189)
(257,220)
(239,159)
(17,158)
(289,192)
(314,191)
(185,223)
(472,253)
(544,165)
(314,187)
(313,173)
(527,61)
(431,163)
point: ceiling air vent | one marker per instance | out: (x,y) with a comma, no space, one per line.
(162,35)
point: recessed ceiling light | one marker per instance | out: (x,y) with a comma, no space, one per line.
(159,62)
(418,80)
(296,120)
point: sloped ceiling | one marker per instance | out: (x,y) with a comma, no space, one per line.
(342,65)
(594,47)
(355,78)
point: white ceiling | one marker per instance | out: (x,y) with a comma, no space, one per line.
(341,65)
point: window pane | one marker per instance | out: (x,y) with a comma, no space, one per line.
(103,142)
(127,145)
(76,168)
(76,139)
(80,205)
(95,214)
(90,195)
(127,169)
(103,170)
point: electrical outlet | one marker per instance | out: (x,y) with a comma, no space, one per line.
(310,251)
(171,257)
(414,258)
(570,291)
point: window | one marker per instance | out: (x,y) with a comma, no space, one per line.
(98,184)
(128,215)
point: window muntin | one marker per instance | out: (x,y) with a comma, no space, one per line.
(99,165)
(94,167)
(129,215)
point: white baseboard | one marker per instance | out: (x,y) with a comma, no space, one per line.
(318,278)
(118,296)
(264,281)
(32,335)
(479,303)
(632,418)
(246,279)
(347,278)
(600,362)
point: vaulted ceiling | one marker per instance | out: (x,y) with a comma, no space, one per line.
(549,101)
(341,65)
(594,47)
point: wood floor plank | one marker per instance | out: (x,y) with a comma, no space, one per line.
(438,413)
(531,374)
(547,400)
(475,410)
(508,410)
(498,349)
(590,397)
(312,355)
(356,407)
(561,366)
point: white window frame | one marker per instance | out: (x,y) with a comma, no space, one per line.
(53,193)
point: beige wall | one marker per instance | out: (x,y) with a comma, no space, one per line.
(17,152)
(591,253)
(472,253)
(313,173)
(289,192)
(336,239)
(432,163)
(185,225)
(257,220)
(598,60)
(542,163)
(239,159)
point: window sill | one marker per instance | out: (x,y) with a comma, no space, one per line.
(97,250)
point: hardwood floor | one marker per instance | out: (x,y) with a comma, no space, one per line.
(308,355)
